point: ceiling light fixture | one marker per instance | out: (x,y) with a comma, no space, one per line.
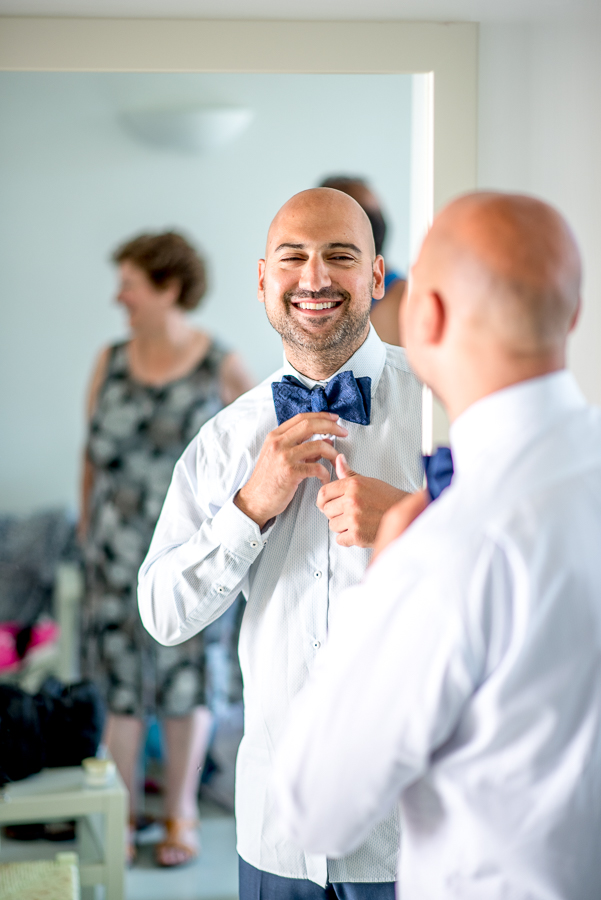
(190,130)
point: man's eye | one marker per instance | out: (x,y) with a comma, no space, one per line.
(342,257)
(291,258)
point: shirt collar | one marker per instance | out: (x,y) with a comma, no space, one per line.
(368,360)
(505,421)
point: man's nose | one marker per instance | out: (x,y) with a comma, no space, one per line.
(314,275)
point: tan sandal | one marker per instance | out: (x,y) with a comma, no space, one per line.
(175,840)
(130,843)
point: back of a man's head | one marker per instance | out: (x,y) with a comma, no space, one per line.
(357,188)
(504,272)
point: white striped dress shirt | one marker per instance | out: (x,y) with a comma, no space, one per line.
(205,551)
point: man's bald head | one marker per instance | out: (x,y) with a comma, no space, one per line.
(499,275)
(510,264)
(317,209)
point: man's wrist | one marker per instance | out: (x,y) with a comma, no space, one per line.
(241,501)
(397,495)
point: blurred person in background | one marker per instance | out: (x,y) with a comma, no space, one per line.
(149,396)
(384,312)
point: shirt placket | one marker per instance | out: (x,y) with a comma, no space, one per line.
(316,538)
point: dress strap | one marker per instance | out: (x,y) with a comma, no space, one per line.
(117,360)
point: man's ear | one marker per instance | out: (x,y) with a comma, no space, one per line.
(433,318)
(261,288)
(378,289)
(576,316)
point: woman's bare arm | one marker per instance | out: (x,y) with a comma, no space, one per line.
(234,378)
(87,475)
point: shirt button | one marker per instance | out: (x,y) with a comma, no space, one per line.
(317,574)
(220,589)
(254,544)
(316,645)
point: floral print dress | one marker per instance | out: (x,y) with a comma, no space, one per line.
(136,435)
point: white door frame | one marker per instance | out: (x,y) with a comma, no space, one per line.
(447,51)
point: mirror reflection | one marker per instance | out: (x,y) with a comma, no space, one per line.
(88,163)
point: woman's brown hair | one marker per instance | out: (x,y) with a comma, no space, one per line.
(167,257)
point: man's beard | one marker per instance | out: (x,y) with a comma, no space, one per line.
(333,343)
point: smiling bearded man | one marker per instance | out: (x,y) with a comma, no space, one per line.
(252,507)
(321,274)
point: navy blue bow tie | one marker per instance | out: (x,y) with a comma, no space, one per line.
(344,394)
(439,471)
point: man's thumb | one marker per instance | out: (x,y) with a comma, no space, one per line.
(342,467)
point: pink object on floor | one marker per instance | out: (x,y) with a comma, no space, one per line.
(43,633)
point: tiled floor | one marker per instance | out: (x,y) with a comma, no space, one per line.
(214,876)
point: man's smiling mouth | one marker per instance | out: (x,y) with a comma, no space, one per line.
(327,304)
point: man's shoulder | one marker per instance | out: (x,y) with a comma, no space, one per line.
(251,412)
(398,380)
(396,358)
(558,475)
(534,488)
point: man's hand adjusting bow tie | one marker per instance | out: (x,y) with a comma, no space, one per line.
(287,457)
(355,505)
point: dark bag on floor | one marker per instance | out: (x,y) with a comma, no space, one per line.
(59,726)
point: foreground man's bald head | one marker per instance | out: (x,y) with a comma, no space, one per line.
(493,295)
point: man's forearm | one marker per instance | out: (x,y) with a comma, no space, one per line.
(184,587)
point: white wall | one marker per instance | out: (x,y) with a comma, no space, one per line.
(73,184)
(540,132)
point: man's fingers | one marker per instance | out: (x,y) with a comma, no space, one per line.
(289,454)
(343,470)
(332,508)
(301,417)
(330,492)
(303,426)
(314,470)
(338,488)
(312,451)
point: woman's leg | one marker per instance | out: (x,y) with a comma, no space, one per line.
(186,739)
(122,736)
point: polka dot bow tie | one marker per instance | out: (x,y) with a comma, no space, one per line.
(345,395)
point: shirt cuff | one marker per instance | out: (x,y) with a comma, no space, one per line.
(239,534)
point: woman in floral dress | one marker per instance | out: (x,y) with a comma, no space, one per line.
(149,396)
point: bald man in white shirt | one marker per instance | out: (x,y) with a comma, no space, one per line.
(252,508)
(472,696)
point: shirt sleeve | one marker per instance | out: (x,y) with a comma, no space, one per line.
(201,551)
(389,692)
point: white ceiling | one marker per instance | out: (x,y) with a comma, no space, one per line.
(444,10)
